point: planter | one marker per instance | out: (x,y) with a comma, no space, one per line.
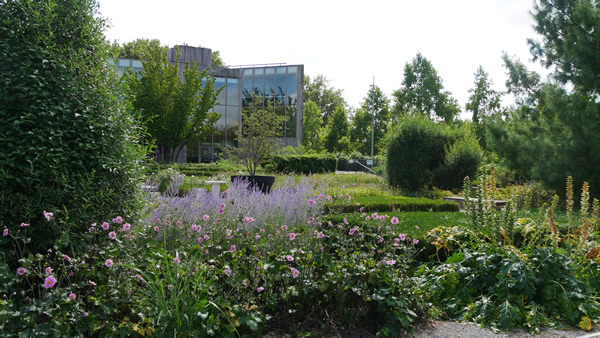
(262,183)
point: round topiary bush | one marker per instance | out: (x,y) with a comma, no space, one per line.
(415,149)
(68,141)
(461,159)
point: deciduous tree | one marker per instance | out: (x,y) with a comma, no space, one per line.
(483,101)
(326,97)
(336,135)
(373,111)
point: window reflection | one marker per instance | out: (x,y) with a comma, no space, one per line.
(292,81)
(270,82)
(259,81)
(232,91)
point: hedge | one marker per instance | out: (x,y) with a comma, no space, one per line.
(390,203)
(305,164)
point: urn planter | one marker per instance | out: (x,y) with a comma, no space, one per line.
(262,183)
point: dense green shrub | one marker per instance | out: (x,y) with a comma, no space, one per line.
(68,142)
(306,164)
(390,203)
(462,159)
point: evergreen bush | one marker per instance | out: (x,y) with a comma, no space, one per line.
(68,142)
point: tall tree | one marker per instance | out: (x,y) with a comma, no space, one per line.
(326,97)
(140,49)
(553,132)
(312,126)
(373,111)
(336,135)
(422,92)
(176,112)
(483,101)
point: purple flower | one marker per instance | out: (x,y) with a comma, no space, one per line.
(91,229)
(112,235)
(105,226)
(260,289)
(320,234)
(415,241)
(176,260)
(126,226)
(295,272)
(72,296)
(5,232)
(311,202)
(85,314)
(199,240)
(228,272)
(395,220)
(290,258)
(402,237)
(292,236)
(248,219)
(157,229)
(49,282)
(233,248)
(24,225)
(21,271)
(108,263)
(206,217)
(48,270)
(117,219)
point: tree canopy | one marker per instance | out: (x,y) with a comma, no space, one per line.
(483,101)
(175,112)
(422,92)
(553,131)
(312,126)
(326,97)
(374,110)
(336,134)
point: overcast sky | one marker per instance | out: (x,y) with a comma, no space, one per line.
(349,42)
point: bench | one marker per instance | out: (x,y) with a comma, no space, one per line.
(461,201)
(216,186)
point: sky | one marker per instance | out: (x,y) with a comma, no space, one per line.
(352,43)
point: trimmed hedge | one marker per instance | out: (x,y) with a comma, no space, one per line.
(390,203)
(305,164)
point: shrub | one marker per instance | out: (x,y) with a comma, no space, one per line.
(68,141)
(414,150)
(305,164)
(461,159)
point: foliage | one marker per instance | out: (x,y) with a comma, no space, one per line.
(69,143)
(462,159)
(327,98)
(175,112)
(422,92)
(258,138)
(389,203)
(565,109)
(484,101)
(416,149)
(336,133)
(140,49)
(312,127)
(374,112)
(306,164)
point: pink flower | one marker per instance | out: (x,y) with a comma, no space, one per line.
(206,237)
(382,218)
(49,282)
(415,241)
(228,272)
(126,226)
(222,206)
(24,225)
(352,231)
(5,232)
(206,217)
(290,258)
(72,296)
(361,209)
(158,220)
(245,282)
(402,237)
(221,211)
(248,219)
(157,229)
(311,219)
(311,202)
(91,229)
(92,283)
(341,197)
(292,236)
(112,235)
(178,223)
(380,239)
(262,231)
(367,218)
(390,262)
(199,240)
(260,289)
(329,198)
(395,220)
(48,215)
(346,221)
(105,226)
(233,248)
(108,263)
(67,258)
(284,227)
(21,271)
(320,234)
(118,219)
(176,260)
(85,314)
(295,272)
(48,270)
(257,236)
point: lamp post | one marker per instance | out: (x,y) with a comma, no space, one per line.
(373,121)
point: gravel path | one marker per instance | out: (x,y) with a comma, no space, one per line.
(446,329)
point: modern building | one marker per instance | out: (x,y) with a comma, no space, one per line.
(280,85)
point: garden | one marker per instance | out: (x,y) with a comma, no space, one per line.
(103,236)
